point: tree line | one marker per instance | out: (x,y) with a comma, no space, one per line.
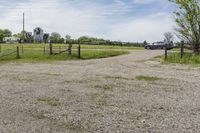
(55,37)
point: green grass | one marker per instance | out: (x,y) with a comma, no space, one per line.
(74,46)
(147,78)
(188,58)
(34,52)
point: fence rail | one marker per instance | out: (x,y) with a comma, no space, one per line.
(17,52)
(7,54)
(182,48)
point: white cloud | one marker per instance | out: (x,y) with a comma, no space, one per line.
(144,1)
(150,28)
(91,19)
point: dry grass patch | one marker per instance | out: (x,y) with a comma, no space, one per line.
(49,101)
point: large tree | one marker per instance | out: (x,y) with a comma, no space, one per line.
(7,33)
(1,35)
(168,37)
(188,22)
(55,35)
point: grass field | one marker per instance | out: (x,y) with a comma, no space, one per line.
(35,52)
(188,58)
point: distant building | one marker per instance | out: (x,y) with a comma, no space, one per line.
(38,34)
(12,39)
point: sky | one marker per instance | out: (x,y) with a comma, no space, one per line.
(120,20)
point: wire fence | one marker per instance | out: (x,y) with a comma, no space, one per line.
(19,51)
(183,48)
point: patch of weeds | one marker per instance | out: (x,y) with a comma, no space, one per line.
(117,78)
(49,101)
(75,81)
(104,86)
(147,78)
(22,79)
(52,74)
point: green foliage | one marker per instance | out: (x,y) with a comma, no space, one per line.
(4,33)
(145,43)
(34,53)
(56,38)
(188,21)
(188,58)
(7,33)
(100,41)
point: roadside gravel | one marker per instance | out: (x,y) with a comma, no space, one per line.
(100,95)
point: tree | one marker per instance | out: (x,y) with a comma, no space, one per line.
(1,35)
(145,43)
(7,33)
(45,37)
(168,37)
(188,21)
(55,37)
(68,37)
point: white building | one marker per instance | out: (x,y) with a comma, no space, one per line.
(12,39)
(38,34)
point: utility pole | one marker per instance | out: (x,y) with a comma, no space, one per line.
(23,27)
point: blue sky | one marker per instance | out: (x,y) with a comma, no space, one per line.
(125,20)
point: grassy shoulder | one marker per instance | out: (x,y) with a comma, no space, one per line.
(37,55)
(188,58)
(74,46)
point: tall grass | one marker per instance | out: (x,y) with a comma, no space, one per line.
(188,58)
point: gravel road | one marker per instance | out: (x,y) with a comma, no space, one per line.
(100,95)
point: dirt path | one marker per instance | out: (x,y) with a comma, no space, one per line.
(100,95)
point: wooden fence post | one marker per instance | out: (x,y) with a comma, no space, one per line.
(59,49)
(79,51)
(50,49)
(44,50)
(22,49)
(182,48)
(70,49)
(166,51)
(18,56)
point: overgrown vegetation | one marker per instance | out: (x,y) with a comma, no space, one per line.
(188,58)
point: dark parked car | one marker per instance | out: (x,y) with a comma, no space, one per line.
(158,45)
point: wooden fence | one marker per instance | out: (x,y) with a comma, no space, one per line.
(59,50)
(183,46)
(50,49)
(13,52)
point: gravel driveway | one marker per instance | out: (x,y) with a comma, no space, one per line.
(100,95)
